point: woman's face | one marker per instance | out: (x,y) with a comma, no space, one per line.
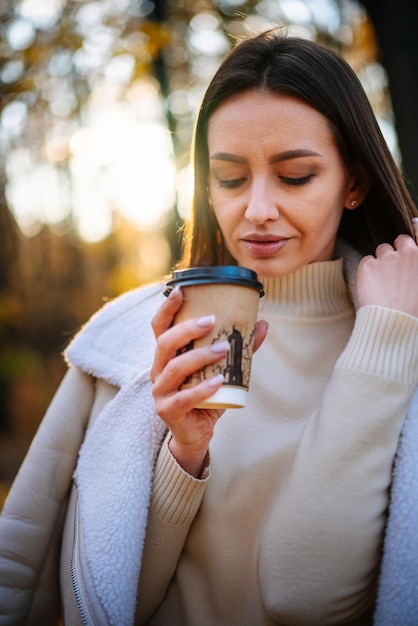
(277,182)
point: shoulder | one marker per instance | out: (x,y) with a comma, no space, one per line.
(118,340)
(142,300)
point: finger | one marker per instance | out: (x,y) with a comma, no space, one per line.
(365,261)
(184,365)
(415,227)
(403,241)
(261,329)
(383,248)
(177,338)
(182,402)
(165,315)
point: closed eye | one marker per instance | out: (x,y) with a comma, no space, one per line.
(232,183)
(304,180)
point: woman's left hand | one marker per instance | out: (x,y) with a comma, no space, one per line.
(390,278)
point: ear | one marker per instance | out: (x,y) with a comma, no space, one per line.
(359,187)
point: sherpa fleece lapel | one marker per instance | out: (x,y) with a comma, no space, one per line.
(116,460)
(117,343)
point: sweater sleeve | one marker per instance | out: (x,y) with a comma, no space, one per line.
(321,545)
(175,500)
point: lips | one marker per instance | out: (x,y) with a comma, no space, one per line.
(264,246)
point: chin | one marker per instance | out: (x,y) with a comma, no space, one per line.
(268,268)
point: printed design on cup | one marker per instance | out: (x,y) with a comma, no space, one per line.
(233,372)
(236,367)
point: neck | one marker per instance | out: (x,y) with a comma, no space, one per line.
(314,289)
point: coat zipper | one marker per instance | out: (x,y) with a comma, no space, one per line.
(85,615)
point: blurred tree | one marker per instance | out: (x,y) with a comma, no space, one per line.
(8,267)
(396,27)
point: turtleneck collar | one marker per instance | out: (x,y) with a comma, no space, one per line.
(314,290)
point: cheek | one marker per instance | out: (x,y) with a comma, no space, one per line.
(320,220)
(224,221)
(225,212)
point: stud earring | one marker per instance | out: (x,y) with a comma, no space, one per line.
(353,203)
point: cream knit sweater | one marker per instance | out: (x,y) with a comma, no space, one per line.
(286,526)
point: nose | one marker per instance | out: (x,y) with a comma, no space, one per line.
(261,204)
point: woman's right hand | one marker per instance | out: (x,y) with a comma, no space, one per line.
(191,428)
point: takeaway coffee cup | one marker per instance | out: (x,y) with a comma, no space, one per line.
(232,293)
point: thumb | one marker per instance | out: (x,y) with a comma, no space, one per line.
(261,329)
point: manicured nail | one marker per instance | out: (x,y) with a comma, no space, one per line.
(415,220)
(174,292)
(216,380)
(207,320)
(221,346)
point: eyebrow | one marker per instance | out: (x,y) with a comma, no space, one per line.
(275,158)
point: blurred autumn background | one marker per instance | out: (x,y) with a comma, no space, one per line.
(97,105)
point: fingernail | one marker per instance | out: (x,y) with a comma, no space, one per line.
(221,346)
(216,380)
(415,220)
(207,320)
(174,292)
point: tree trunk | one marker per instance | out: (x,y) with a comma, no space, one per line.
(8,262)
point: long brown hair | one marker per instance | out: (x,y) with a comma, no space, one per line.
(276,63)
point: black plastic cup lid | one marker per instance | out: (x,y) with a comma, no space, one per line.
(220,274)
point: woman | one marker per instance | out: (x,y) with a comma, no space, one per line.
(272,514)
